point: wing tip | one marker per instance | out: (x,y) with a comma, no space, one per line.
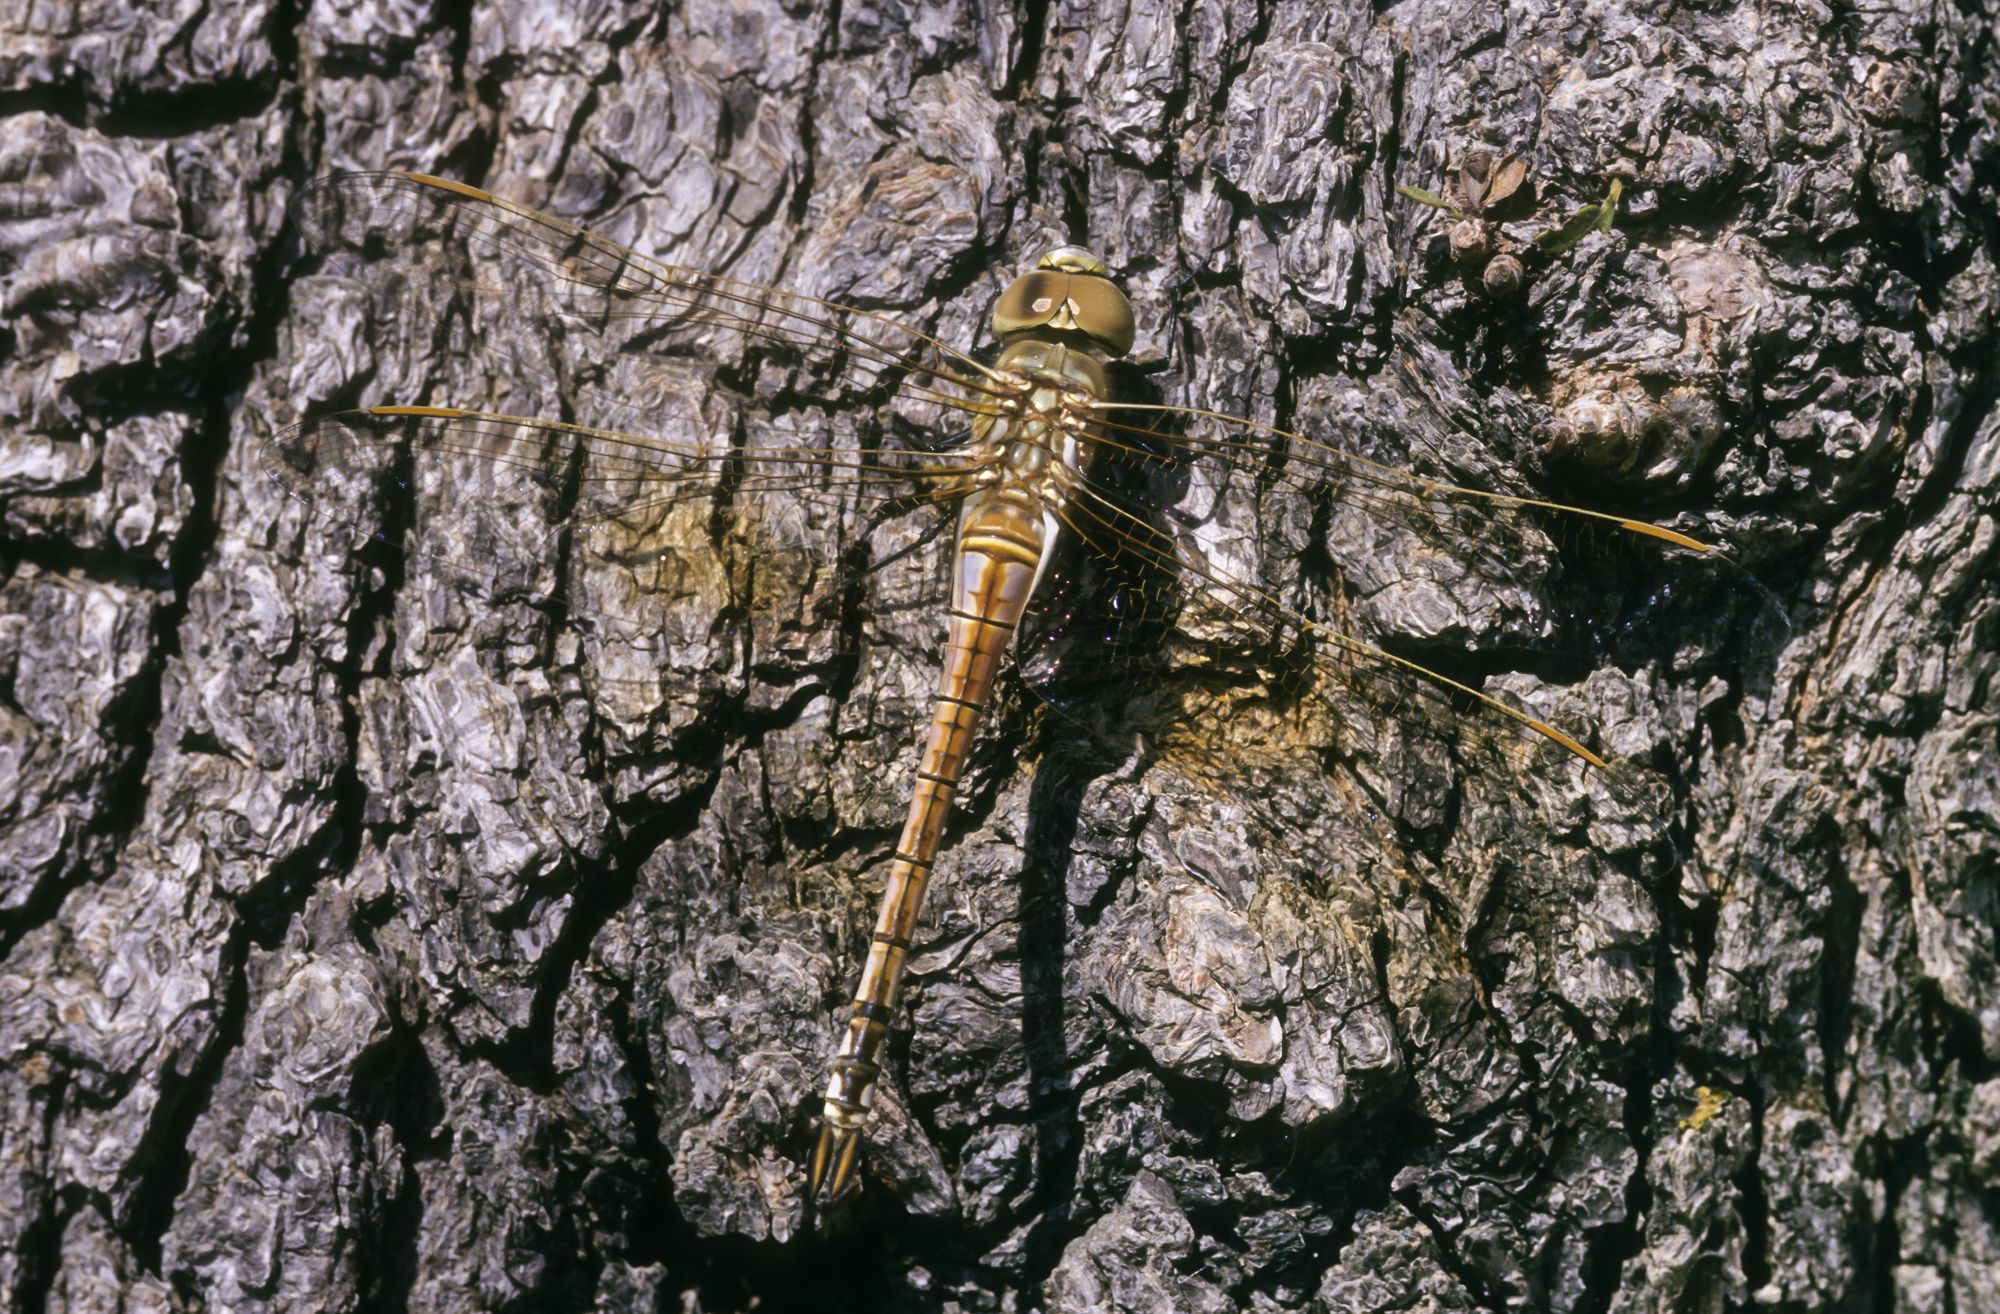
(1568,742)
(1672,536)
(426,412)
(446,184)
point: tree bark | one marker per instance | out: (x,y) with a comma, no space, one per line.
(356,954)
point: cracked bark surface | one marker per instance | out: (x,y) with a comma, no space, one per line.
(357,953)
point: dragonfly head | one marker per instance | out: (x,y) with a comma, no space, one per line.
(1073,260)
(1068,292)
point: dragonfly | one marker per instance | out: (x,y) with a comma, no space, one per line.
(1016,469)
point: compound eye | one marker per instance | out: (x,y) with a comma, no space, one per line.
(1086,303)
(1101,310)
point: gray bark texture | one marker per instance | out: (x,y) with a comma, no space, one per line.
(360,952)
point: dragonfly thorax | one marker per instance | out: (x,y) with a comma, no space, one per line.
(1036,442)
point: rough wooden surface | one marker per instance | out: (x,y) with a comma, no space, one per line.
(354,957)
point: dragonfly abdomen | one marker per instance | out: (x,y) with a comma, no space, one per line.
(1002,542)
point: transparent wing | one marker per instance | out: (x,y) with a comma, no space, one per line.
(1222,567)
(1372,611)
(649,549)
(693,506)
(567,280)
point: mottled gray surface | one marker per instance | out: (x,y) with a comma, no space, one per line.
(358,952)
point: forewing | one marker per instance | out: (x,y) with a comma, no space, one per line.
(459,244)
